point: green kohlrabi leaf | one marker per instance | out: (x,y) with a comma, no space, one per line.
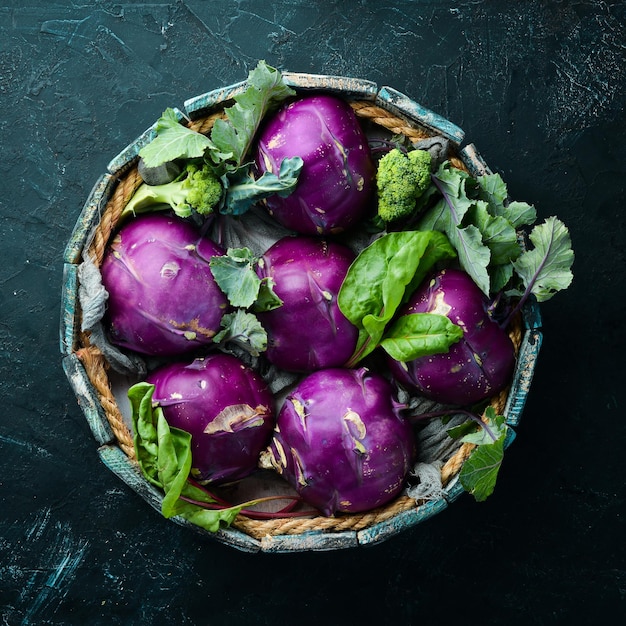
(383,276)
(546,269)
(235,275)
(480,471)
(494,428)
(267,300)
(480,223)
(520,214)
(492,189)
(500,276)
(243,329)
(497,234)
(420,334)
(265,89)
(243,190)
(230,139)
(447,217)
(173,141)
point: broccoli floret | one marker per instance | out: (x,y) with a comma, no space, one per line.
(400,180)
(198,189)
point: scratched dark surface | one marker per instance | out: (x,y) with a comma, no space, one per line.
(540,87)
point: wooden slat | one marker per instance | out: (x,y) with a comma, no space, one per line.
(88,400)
(399,104)
(400,522)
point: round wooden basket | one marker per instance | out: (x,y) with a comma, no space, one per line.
(91,377)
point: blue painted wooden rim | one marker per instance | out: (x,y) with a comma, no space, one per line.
(111,454)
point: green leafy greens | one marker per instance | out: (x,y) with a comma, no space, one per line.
(382,277)
(235,274)
(480,471)
(474,215)
(265,89)
(243,329)
(174,141)
(546,268)
(482,227)
(420,334)
(227,147)
(164,456)
(243,190)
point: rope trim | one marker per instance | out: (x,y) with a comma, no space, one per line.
(96,366)
(349,522)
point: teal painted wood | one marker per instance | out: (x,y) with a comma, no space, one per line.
(206,103)
(68,331)
(474,161)
(228,536)
(454,490)
(400,522)
(356,88)
(532,314)
(399,104)
(130,154)
(72,256)
(509,438)
(522,378)
(314,541)
(115,460)
(89,217)
(88,399)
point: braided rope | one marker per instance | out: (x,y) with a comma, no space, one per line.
(381,117)
(349,522)
(96,366)
(205,124)
(126,187)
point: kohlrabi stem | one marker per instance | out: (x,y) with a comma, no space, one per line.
(494,303)
(384,145)
(443,413)
(354,359)
(358,354)
(218,500)
(285,512)
(219,503)
(530,284)
(437,184)
(518,306)
(290,507)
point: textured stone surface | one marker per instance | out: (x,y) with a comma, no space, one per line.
(539,87)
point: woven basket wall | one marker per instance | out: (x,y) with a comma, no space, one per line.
(90,376)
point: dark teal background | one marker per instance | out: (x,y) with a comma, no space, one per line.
(540,88)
